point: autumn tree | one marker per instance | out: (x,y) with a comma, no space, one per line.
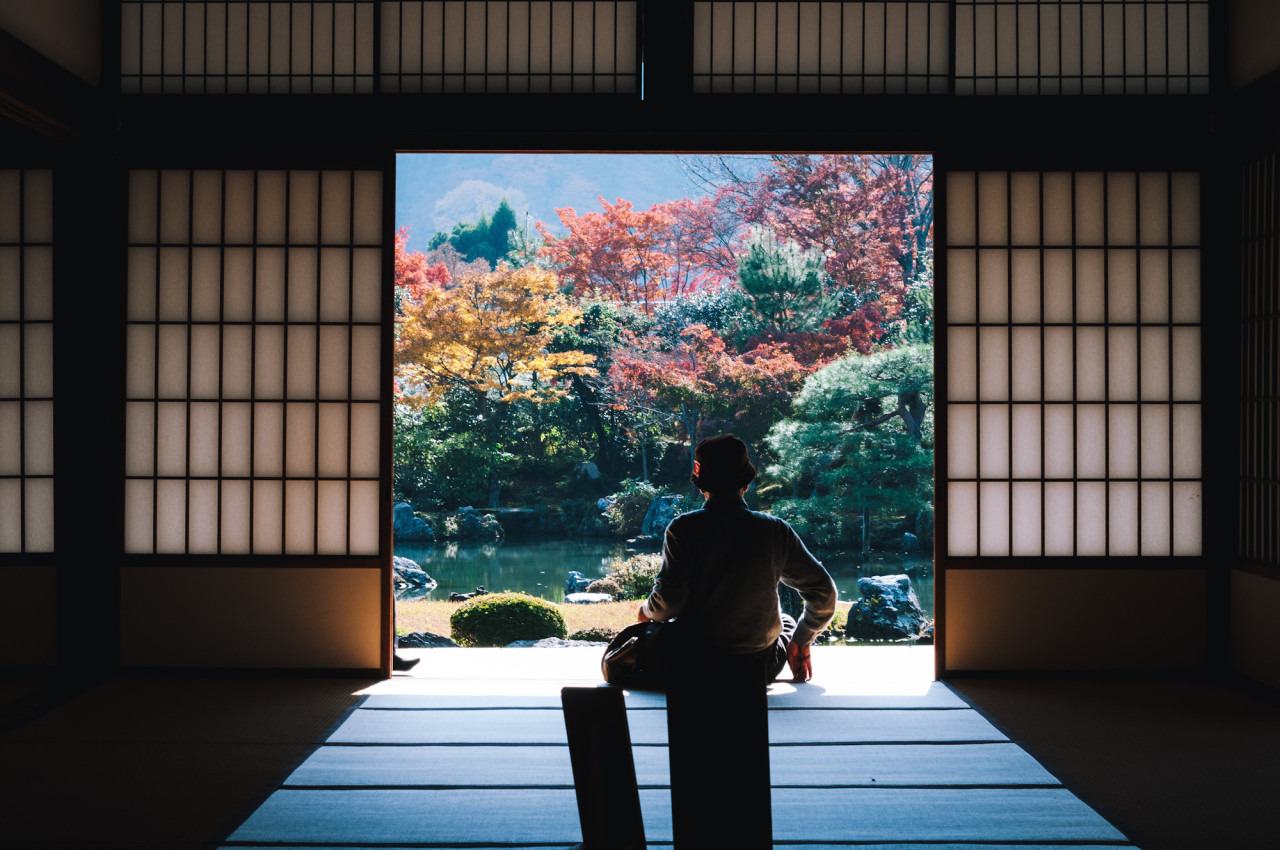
(872,216)
(701,382)
(414,271)
(619,252)
(488,335)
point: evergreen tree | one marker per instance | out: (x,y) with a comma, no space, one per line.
(784,284)
(859,448)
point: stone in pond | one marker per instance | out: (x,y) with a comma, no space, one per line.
(408,526)
(587,598)
(576,583)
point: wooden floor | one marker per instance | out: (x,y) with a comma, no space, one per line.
(471,751)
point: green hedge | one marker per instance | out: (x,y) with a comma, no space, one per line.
(497,619)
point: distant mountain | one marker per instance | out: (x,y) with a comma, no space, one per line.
(436,191)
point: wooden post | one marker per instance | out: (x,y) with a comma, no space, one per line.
(718,737)
(604,773)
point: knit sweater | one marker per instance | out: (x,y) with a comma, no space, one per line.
(756,551)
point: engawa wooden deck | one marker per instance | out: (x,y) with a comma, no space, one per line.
(471,751)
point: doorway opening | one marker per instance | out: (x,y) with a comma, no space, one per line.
(568,326)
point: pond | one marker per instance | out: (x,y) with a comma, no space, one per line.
(540,567)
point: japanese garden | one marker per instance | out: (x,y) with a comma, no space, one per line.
(553,376)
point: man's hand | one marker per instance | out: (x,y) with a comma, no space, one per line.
(641,616)
(799,662)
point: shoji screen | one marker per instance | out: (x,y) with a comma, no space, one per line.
(256,46)
(253,414)
(1255,588)
(27,584)
(898,46)
(1072,379)
(1082,46)
(510,46)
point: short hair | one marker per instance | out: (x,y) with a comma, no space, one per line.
(721,465)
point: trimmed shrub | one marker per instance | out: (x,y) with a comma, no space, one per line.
(605,585)
(597,634)
(635,575)
(497,619)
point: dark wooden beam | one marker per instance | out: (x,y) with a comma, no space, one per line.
(42,96)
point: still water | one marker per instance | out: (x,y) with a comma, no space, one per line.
(540,567)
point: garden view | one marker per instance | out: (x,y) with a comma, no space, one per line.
(554,368)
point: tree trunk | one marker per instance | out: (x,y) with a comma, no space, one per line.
(644,460)
(606,457)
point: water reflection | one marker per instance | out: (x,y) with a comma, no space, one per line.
(540,567)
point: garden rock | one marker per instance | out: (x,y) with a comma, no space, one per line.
(588,598)
(662,510)
(408,526)
(424,640)
(469,524)
(463,597)
(910,543)
(576,583)
(553,642)
(409,575)
(888,610)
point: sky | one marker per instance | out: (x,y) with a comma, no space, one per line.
(436,191)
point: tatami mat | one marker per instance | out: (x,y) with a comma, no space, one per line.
(514,767)
(469,816)
(879,754)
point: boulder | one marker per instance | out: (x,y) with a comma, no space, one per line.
(553,642)
(423,640)
(469,524)
(910,543)
(888,610)
(409,575)
(588,598)
(662,510)
(409,527)
(576,583)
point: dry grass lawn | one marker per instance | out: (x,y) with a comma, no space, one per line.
(423,615)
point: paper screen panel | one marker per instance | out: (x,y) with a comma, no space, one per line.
(895,47)
(1074,369)
(510,47)
(1081,47)
(232,346)
(26,360)
(179,47)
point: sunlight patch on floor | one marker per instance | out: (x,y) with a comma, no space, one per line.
(838,670)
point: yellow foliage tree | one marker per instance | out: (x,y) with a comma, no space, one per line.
(489,335)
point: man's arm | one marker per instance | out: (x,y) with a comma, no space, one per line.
(807,575)
(671,588)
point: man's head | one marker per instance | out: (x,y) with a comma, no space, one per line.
(721,465)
